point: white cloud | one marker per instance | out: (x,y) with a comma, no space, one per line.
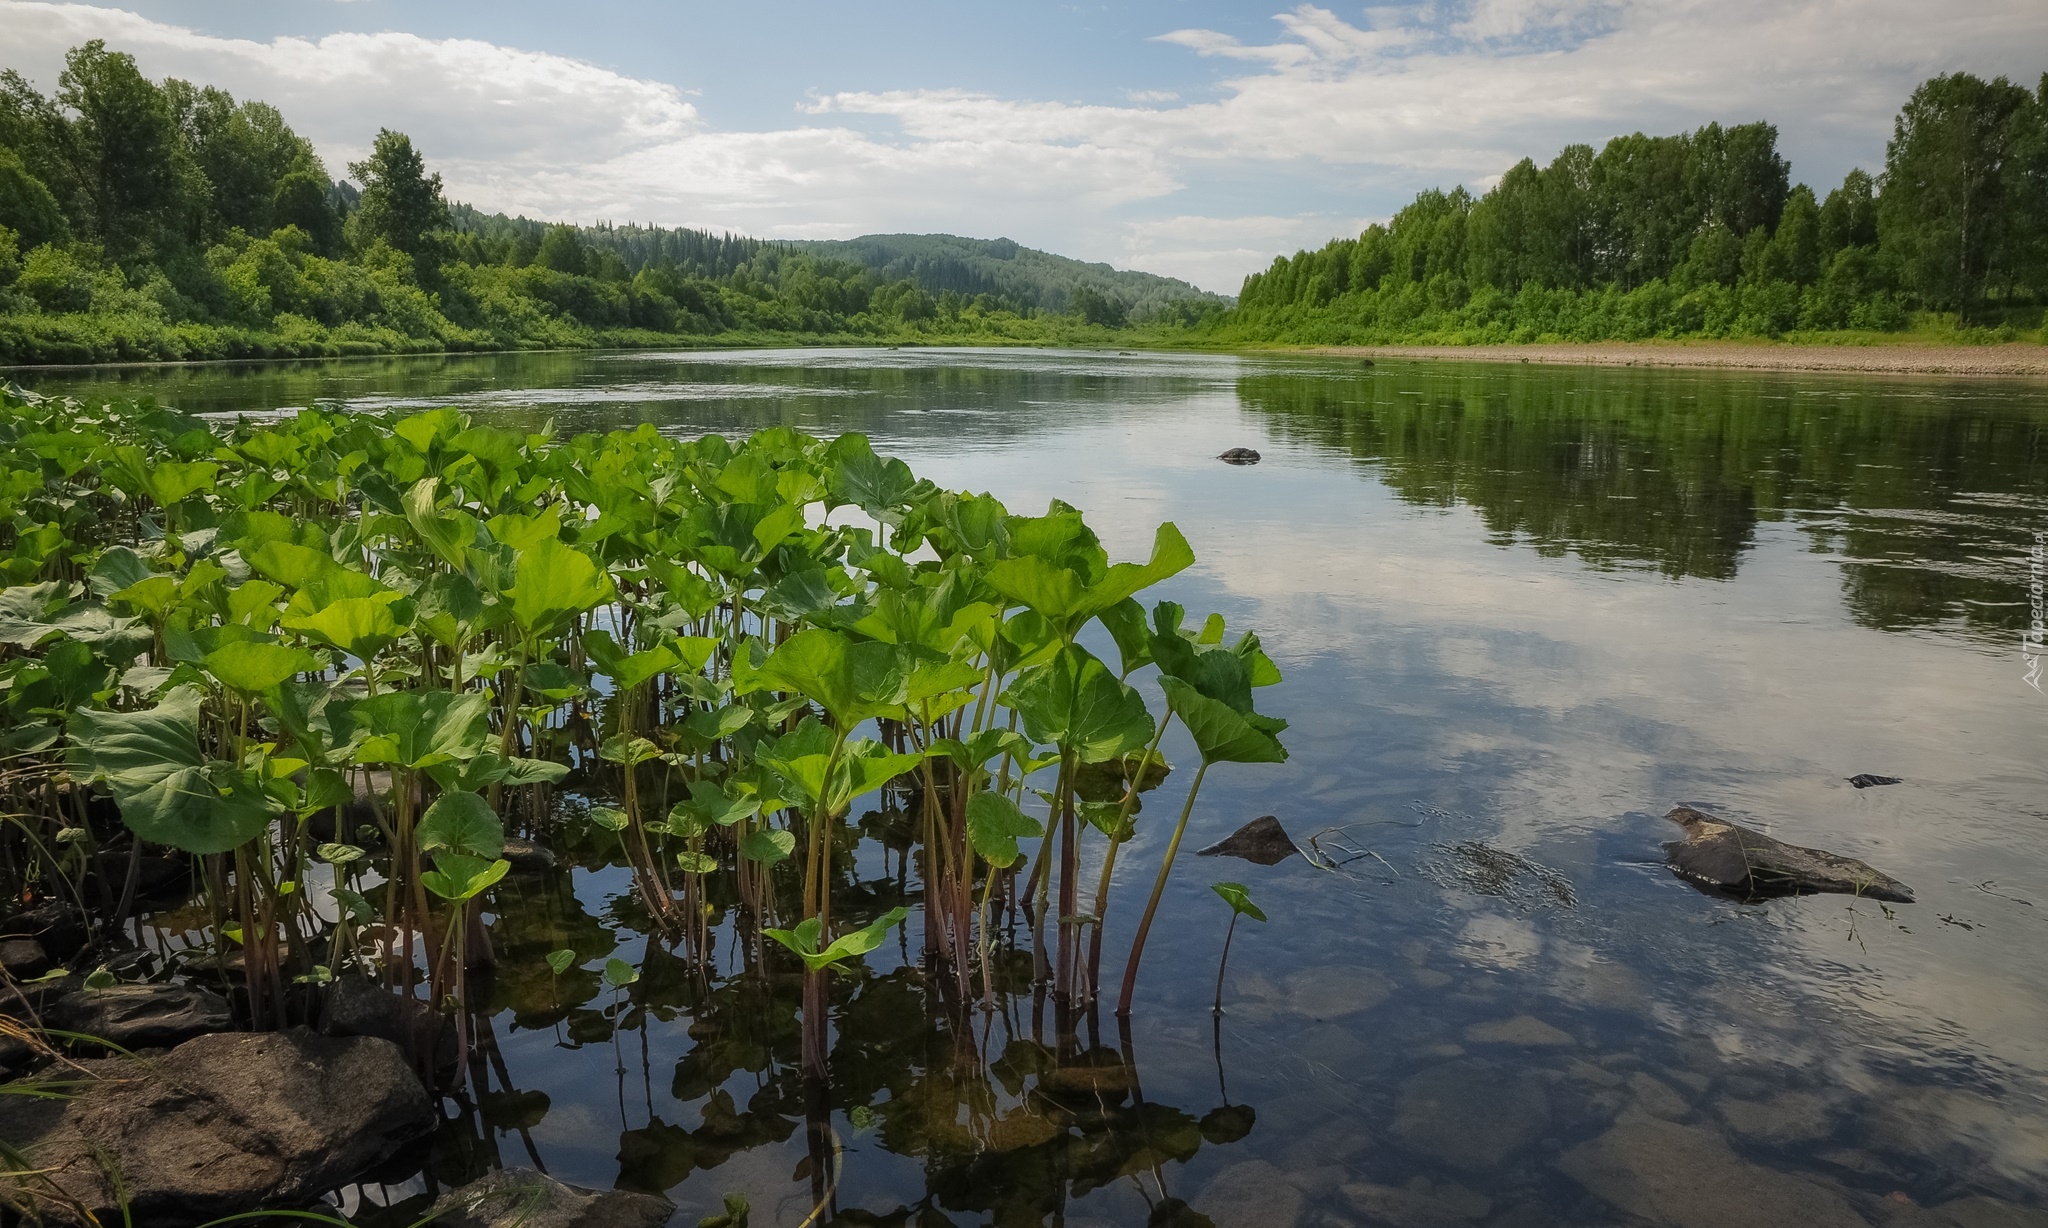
(1360,109)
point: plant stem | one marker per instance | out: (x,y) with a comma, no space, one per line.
(1123,1003)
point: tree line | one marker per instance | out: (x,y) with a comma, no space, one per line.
(1702,233)
(163,220)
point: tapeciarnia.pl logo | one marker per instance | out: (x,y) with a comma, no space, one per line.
(2034,643)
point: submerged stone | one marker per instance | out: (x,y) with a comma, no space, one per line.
(218,1126)
(1525,1030)
(527,855)
(1865,780)
(1470,1115)
(1262,842)
(528,1199)
(1684,1176)
(1251,1194)
(1720,854)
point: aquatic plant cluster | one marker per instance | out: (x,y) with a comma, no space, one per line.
(329,660)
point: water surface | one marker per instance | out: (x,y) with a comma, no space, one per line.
(1522,611)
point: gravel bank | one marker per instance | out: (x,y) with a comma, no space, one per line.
(2018,358)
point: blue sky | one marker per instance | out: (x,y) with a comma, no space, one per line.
(1196,138)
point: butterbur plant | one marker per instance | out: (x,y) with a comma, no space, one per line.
(341,658)
(1240,900)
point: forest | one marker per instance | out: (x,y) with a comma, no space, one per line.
(144,220)
(1702,234)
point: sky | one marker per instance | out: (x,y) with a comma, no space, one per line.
(1192,138)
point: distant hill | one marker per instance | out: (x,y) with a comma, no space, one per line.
(1023,277)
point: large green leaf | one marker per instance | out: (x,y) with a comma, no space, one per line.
(767,845)
(851,681)
(419,729)
(553,584)
(362,627)
(1076,703)
(461,823)
(994,825)
(253,667)
(804,939)
(447,532)
(1066,596)
(168,792)
(1222,733)
(458,876)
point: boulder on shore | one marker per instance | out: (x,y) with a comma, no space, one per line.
(142,1016)
(523,1198)
(220,1125)
(1735,859)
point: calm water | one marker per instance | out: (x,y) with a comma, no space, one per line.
(1530,607)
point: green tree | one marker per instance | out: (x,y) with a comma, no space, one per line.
(301,199)
(1943,211)
(1794,252)
(125,145)
(401,202)
(1848,217)
(26,205)
(562,250)
(245,152)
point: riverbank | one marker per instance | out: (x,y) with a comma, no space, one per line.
(2014,358)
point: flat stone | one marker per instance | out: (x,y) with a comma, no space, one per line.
(220,1125)
(1722,855)
(523,1198)
(1792,1117)
(1430,978)
(1670,1174)
(1334,992)
(1392,1206)
(143,1016)
(1251,1194)
(1471,1115)
(23,958)
(1658,1098)
(1979,1211)
(1525,1030)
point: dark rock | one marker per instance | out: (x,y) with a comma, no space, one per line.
(524,1198)
(359,1006)
(37,998)
(1748,863)
(154,875)
(526,855)
(23,958)
(220,1125)
(142,1016)
(1864,780)
(1239,456)
(56,925)
(1262,842)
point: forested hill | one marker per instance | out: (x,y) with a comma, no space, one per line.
(1022,276)
(145,219)
(1700,234)
(1000,273)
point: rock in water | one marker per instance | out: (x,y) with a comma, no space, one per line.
(1262,842)
(1239,456)
(142,1016)
(1864,780)
(220,1125)
(523,1198)
(1749,863)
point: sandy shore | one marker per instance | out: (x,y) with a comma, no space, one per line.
(2019,358)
